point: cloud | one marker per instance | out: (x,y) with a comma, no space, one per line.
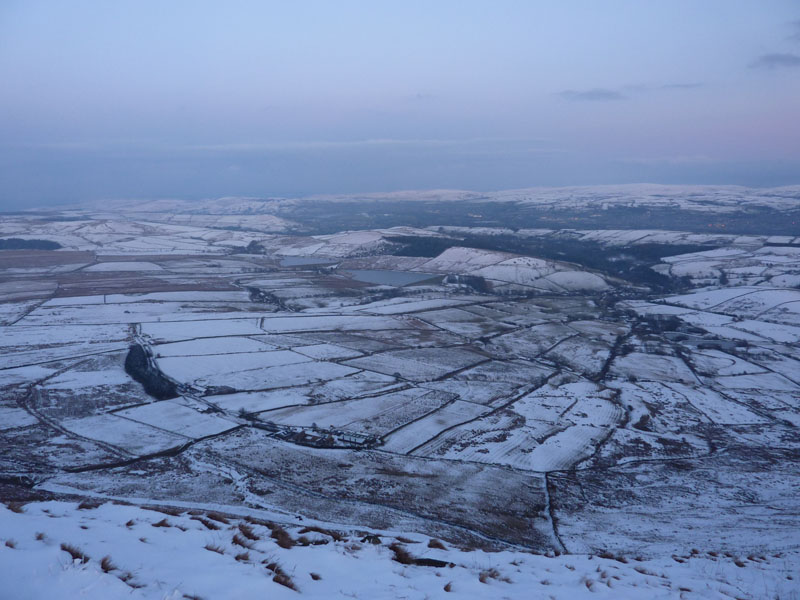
(593,95)
(609,94)
(773,61)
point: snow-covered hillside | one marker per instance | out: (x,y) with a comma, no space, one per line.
(96,551)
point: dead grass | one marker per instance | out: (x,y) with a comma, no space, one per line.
(240,541)
(488,574)
(166,510)
(448,587)
(75,553)
(15,507)
(218,517)
(11,544)
(492,573)
(243,557)
(89,505)
(126,577)
(315,576)
(335,535)
(401,555)
(130,523)
(248,532)
(40,536)
(405,540)
(208,524)
(404,557)
(162,523)
(434,543)
(285,580)
(281,536)
(107,565)
(214,548)
(280,576)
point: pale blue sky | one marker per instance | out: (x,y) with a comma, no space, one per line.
(197,99)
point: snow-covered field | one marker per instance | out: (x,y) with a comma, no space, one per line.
(513,406)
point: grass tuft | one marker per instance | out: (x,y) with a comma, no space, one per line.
(75,553)
(315,576)
(214,548)
(281,536)
(240,541)
(281,576)
(220,518)
(285,580)
(11,544)
(89,504)
(492,573)
(401,555)
(107,565)
(162,523)
(405,540)
(335,535)
(166,510)
(434,543)
(15,507)
(248,532)
(243,557)
(209,524)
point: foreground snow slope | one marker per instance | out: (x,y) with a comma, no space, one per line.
(56,550)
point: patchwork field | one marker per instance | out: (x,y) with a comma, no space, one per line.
(490,398)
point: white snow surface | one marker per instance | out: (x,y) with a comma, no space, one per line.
(152,555)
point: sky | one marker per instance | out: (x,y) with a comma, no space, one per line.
(198,99)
